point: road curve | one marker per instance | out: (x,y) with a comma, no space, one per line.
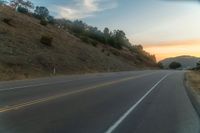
(124,102)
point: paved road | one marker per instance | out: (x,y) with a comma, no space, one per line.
(124,102)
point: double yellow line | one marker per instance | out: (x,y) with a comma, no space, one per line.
(25,104)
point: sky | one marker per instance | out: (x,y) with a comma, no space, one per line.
(166,28)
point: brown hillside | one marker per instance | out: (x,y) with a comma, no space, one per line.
(22,55)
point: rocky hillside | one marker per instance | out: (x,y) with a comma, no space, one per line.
(23,55)
(186,61)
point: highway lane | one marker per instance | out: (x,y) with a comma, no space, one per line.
(20,91)
(126,102)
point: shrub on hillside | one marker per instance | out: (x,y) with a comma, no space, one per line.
(115,52)
(46,40)
(45,61)
(85,39)
(51,20)
(43,22)
(94,43)
(22,10)
(7,21)
(174,65)
(160,65)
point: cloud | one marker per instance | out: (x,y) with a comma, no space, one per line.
(83,8)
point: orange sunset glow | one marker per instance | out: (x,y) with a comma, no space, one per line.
(174,48)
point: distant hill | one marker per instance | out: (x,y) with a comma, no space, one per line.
(186,61)
(23,55)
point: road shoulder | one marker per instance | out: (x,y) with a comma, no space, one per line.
(192,83)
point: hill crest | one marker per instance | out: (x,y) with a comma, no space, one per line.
(186,61)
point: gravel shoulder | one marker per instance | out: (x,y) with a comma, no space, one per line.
(192,81)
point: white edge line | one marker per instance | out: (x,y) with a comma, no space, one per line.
(123,117)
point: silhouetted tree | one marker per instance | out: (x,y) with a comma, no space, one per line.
(51,19)
(41,12)
(139,47)
(120,39)
(152,57)
(22,9)
(95,34)
(174,65)
(106,33)
(160,65)
(78,27)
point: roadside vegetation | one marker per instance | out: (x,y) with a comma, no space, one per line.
(194,80)
(193,83)
(116,39)
(34,43)
(175,65)
(193,77)
(197,68)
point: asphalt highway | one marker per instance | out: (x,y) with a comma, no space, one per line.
(151,101)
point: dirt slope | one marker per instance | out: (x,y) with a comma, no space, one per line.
(22,55)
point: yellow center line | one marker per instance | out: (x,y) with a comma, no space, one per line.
(18,106)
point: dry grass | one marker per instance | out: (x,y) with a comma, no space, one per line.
(23,56)
(193,78)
